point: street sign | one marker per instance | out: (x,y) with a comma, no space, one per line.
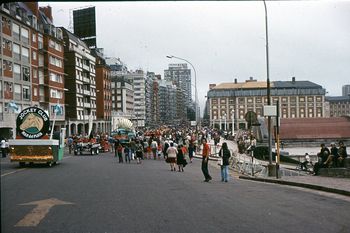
(270,110)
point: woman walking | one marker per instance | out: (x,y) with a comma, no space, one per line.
(180,159)
(225,155)
(139,152)
(171,156)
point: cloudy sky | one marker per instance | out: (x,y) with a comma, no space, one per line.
(224,40)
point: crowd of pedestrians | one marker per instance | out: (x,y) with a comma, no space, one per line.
(176,146)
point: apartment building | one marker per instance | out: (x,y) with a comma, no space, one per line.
(167,102)
(122,97)
(180,75)
(104,94)
(138,80)
(80,84)
(31,63)
(337,106)
(229,102)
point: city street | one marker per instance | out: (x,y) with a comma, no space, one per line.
(97,194)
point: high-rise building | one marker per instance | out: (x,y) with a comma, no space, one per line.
(167,102)
(104,94)
(79,65)
(346,90)
(32,71)
(138,80)
(180,75)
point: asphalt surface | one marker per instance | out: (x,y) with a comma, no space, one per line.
(106,196)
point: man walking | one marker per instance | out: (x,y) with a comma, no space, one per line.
(205,159)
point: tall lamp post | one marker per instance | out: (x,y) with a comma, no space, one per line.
(225,126)
(195,84)
(233,122)
(268,86)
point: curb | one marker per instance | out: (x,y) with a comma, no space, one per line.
(303,185)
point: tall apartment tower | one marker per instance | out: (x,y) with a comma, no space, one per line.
(104,94)
(138,80)
(346,90)
(180,75)
(79,65)
(167,102)
(31,68)
(122,91)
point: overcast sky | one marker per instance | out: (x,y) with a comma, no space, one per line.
(309,40)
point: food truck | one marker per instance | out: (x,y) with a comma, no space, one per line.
(33,143)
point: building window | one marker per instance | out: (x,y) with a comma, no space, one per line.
(41,60)
(35,91)
(55,94)
(55,61)
(301,99)
(40,41)
(15,31)
(18,93)
(25,35)
(17,71)
(16,51)
(310,99)
(311,112)
(33,37)
(25,54)
(26,73)
(55,77)
(26,93)
(34,55)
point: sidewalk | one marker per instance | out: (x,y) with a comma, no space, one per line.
(326,184)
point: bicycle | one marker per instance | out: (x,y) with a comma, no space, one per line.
(309,167)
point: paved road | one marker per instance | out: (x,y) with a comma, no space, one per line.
(96,194)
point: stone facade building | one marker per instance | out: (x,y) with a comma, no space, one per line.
(229,102)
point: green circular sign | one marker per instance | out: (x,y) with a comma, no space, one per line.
(33,123)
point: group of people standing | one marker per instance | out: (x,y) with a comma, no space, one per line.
(333,157)
(175,151)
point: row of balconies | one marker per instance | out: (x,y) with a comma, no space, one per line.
(86,105)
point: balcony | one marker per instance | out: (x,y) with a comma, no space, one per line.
(86,92)
(86,80)
(87,105)
(86,67)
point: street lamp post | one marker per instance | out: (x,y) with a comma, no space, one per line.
(195,84)
(225,126)
(233,122)
(268,86)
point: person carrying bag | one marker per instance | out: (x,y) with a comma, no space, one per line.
(225,155)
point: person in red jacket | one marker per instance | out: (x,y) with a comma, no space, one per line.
(205,159)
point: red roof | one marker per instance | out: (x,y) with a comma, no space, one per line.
(314,128)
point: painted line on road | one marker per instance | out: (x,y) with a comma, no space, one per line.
(9,173)
(22,169)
